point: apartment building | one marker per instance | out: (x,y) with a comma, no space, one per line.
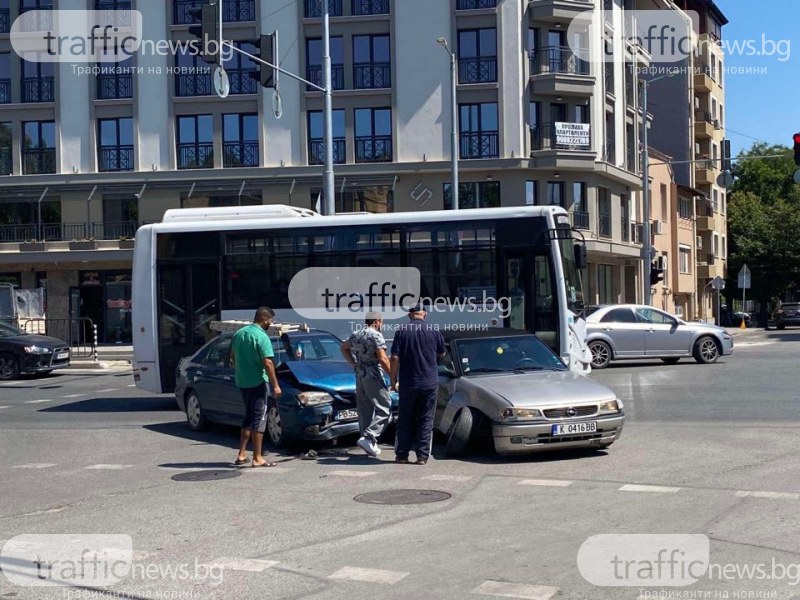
(87,159)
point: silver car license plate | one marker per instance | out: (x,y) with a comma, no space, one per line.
(574,428)
(344,415)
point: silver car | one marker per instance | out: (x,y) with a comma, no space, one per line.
(508,389)
(632,331)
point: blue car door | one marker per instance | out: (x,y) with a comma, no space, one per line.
(220,383)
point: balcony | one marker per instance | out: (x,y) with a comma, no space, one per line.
(193,84)
(709,266)
(557,11)
(370,7)
(706,126)
(545,136)
(374,149)
(5,91)
(5,21)
(372,75)
(705,172)
(63,232)
(604,229)
(316,151)
(314,75)
(113,86)
(475,4)
(314,8)
(580,219)
(480,144)
(39,161)
(114,230)
(242,81)
(240,154)
(115,158)
(37,89)
(480,69)
(18,233)
(561,71)
(196,156)
(702,78)
(6,161)
(707,217)
(233,11)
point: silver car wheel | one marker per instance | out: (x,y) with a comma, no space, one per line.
(709,350)
(274,427)
(193,411)
(601,354)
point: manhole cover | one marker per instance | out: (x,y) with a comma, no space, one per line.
(207,475)
(403,497)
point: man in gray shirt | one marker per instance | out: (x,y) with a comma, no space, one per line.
(365,350)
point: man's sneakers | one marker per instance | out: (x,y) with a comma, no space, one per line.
(369,447)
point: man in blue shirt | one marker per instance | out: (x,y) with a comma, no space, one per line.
(416,348)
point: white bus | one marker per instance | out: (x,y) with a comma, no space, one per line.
(203,265)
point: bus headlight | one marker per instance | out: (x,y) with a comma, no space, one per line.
(314,398)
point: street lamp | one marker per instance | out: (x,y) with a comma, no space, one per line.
(453,122)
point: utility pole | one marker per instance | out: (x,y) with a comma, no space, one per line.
(646,243)
(454,186)
(328,180)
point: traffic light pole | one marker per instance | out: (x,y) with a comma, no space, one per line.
(646,244)
(328,182)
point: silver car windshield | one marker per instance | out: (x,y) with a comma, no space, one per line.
(504,355)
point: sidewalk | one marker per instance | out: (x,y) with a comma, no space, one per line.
(110,358)
(736,331)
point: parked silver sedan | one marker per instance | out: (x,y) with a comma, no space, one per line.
(632,331)
(508,389)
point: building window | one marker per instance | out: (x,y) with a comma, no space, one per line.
(115,144)
(625,221)
(685,208)
(314,62)
(724,248)
(5,149)
(483,194)
(373,134)
(580,206)
(371,199)
(39,147)
(37,79)
(605,285)
(240,141)
(555,193)
(195,142)
(316,135)
(664,203)
(314,8)
(531,193)
(193,77)
(370,7)
(26,5)
(243,73)
(372,63)
(477,56)
(205,200)
(685,260)
(5,17)
(475,4)
(723,202)
(604,210)
(479,130)
(5,78)
(20,219)
(115,80)
(120,217)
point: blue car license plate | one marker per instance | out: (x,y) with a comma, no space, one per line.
(347,415)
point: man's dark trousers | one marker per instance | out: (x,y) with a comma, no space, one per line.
(415,423)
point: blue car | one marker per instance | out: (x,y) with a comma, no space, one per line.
(319,389)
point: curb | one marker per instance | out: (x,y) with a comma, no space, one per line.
(97,366)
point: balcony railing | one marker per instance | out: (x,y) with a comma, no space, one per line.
(61,232)
(480,144)
(5,161)
(316,151)
(580,219)
(314,75)
(37,89)
(706,163)
(115,158)
(193,84)
(114,12)
(475,4)
(242,81)
(233,11)
(626,229)
(370,7)
(112,86)
(240,154)
(40,20)
(605,225)
(560,59)
(114,230)
(545,137)
(18,233)
(5,21)
(703,116)
(196,156)
(5,91)
(374,149)
(39,161)
(478,69)
(65,232)
(314,8)
(372,75)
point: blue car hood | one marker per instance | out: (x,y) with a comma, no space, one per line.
(326,375)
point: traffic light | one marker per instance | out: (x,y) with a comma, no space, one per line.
(207,32)
(797,149)
(726,155)
(267,76)
(656,274)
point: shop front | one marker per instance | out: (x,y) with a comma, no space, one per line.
(105,298)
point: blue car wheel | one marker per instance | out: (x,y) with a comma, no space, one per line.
(275,431)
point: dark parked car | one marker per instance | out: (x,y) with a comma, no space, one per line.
(787,315)
(319,388)
(26,353)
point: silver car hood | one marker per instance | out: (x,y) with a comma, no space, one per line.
(705,327)
(538,388)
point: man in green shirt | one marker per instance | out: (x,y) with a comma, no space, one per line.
(252,354)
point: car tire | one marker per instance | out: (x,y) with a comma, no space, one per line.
(671,361)
(601,354)
(9,366)
(275,432)
(194,412)
(706,350)
(460,433)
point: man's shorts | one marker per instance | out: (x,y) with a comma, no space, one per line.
(255,408)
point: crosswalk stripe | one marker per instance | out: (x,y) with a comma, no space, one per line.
(42,401)
(74,396)
(447,477)
(656,489)
(345,473)
(546,482)
(34,466)
(109,467)
(515,590)
(769,495)
(368,575)
(267,469)
(108,390)
(243,564)
(2,407)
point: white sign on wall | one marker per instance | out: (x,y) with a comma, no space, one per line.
(573,134)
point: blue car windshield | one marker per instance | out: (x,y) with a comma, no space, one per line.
(312,347)
(506,354)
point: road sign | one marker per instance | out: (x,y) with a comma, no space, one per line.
(744,278)
(718,283)
(797,176)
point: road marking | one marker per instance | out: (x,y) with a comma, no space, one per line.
(108,390)
(515,590)
(368,575)
(131,385)
(12,383)
(546,482)
(267,469)
(47,511)
(655,489)
(243,564)
(2,407)
(752,344)
(770,495)
(73,396)
(447,477)
(43,400)
(345,473)
(109,467)
(35,466)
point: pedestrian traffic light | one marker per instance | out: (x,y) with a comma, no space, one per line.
(207,33)
(797,149)
(268,76)
(726,155)
(656,274)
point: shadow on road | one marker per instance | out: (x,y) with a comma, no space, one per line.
(115,405)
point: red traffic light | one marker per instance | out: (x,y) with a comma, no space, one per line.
(797,138)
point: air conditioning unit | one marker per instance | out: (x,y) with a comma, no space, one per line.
(699,243)
(717,124)
(658,227)
(661,262)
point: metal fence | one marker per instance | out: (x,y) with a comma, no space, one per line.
(80,334)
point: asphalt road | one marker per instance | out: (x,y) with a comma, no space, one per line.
(707,450)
